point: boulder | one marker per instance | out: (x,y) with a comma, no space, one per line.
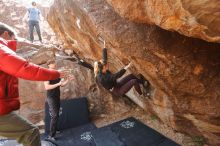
(184,72)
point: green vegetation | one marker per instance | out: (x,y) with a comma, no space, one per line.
(154,117)
(199,140)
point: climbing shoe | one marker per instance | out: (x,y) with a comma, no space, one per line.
(146,89)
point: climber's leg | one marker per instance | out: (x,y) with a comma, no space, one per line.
(126,87)
(127,79)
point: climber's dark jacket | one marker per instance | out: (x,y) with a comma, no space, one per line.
(109,80)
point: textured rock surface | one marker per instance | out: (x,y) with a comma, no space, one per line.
(32,94)
(197,18)
(184,72)
(12,13)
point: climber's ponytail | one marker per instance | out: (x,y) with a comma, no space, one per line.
(97,68)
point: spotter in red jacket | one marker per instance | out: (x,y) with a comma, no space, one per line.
(13,67)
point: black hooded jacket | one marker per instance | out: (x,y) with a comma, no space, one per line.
(108,80)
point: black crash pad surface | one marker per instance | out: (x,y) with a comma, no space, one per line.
(105,137)
(130,132)
(77,131)
(127,132)
(73,113)
(80,136)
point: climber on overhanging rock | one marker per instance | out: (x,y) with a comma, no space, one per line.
(109,80)
(53,98)
(12,67)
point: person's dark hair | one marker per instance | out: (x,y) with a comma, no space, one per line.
(34,3)
(50,62)
(4,27)
(100,65)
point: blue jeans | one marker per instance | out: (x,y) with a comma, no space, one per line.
(33,24)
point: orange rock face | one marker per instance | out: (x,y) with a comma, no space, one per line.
(33,94)
(195,18)
(184,72)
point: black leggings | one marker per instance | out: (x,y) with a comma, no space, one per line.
(54,108)
(125,84)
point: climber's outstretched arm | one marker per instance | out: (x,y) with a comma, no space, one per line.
(85,64)
(104,56)
(81,62)
(21,43)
